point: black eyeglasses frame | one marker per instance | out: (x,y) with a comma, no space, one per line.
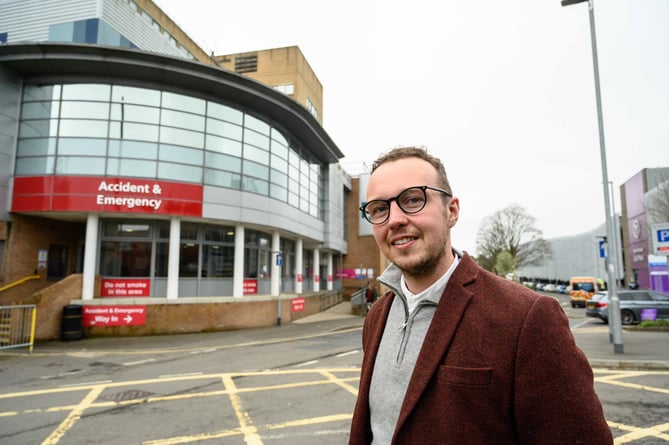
(388,201)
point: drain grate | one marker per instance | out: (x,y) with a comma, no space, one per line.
(132,394)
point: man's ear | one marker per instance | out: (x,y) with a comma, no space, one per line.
(453,211)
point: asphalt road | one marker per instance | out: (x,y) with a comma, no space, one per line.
(294,384)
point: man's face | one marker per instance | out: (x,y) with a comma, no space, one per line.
(419,244)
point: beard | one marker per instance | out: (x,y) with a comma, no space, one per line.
(424,266)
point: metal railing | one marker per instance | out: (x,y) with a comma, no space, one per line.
(20,281)
(330,298)
(17,326)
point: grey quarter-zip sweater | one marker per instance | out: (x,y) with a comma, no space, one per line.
(401,342)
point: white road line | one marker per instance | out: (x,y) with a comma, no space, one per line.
(312,362)
(344,354)
(139,362)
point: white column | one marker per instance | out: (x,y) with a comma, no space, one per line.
(299,267)
(330,284)
(174,250)
(275,281)
(238,274)
(317,269)
(90,257)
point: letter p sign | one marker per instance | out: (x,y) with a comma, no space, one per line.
(663,235)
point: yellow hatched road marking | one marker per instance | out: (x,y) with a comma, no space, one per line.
(75,415)
(250,432)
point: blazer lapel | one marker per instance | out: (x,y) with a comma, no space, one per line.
(447,316)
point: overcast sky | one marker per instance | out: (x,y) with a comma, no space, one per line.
(502,91)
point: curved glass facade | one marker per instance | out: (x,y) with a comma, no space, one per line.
(117,130)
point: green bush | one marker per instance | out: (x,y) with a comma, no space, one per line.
(664,323)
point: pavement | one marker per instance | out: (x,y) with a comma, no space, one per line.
(642,349)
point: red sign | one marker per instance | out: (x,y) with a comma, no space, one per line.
(250,287)
(100,194)
(113,315)
(297,304)
(125,287)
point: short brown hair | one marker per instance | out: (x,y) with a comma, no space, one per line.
(416,152)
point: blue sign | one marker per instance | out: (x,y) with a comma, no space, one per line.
(663,236)
(602,249)
(279,259)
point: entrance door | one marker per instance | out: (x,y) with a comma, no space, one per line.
(56,262)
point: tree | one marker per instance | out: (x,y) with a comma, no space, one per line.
(513,231)
(657,203)
(505,263)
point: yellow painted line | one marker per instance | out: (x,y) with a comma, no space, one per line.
(613,379)
(98,353)
(337,381)
(237,431)
(73,417)
(250,432)
(636,433)
(180,378)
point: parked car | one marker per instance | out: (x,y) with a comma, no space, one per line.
(635,306)
(549,287)
(561,289)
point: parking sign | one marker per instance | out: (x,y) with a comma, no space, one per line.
(660,235)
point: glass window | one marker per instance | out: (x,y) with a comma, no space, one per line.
(39,128)
(35,166)
(162,257)
(75,165)
(84,110)
(279,178)
(81,146)
(128,130)
(96,92)
(188,231)
(223,145)
(83,128)
(135,259)
(279,164)
(222,234)
(132,95)
(293,199)
(222,178)
(278,192)
(39,110)
(218,261)
(279,138)
(226,129)
(132,149)
(183,103)
(279,151)
(257,139)
(126,229)
(188,259)
(256,170)
(36,147)
(178,154)
(182,120)
(256,154)
(131,167)
(225,113)
(179,172)
(223,162)
(135,113)
(256,124)
(38,92)
(177,136)
(255,185)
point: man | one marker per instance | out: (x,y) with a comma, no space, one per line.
(452,353)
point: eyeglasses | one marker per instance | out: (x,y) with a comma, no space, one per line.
(411,200)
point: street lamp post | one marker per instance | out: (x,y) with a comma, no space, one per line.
(614,302)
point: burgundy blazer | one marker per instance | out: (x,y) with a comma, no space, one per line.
(499,365)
